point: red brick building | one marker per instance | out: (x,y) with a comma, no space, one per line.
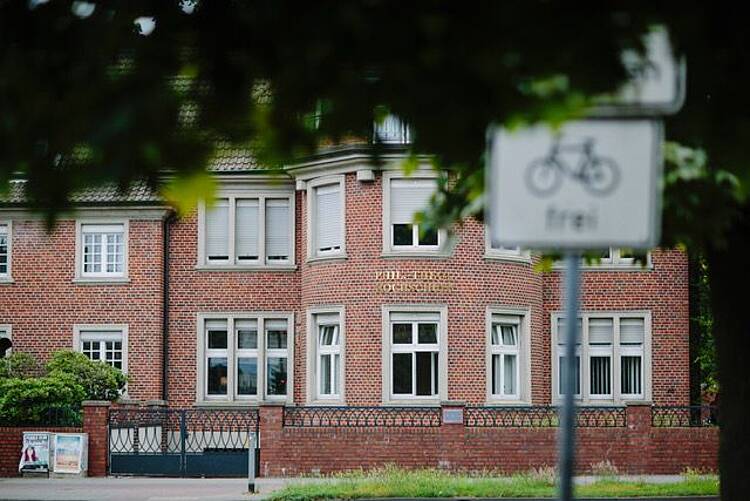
(315,288)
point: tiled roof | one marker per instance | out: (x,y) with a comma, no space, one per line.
(228,158)
(138,192)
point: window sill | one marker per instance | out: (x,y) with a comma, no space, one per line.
(101,281)
(7,281)
(609,267)
(432,402)
(222,403)
(327,403)
(510,258)
(259,268)
(507,403)
(327,259)
(404,254)
(597,403)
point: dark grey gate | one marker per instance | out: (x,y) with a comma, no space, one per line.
(182,442)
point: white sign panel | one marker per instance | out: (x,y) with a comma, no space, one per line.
(70,453)
(657,83)
(591,184)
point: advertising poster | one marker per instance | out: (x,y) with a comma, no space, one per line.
(68,453)
(34,452)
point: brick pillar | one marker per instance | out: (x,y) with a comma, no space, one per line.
(639,437)
(271,417)
(95,416)
(452,435)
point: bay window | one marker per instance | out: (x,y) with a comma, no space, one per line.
(404,198)
(244,357)
(416,355)
(505,359)
(326,217)
(611,356)
(508,356)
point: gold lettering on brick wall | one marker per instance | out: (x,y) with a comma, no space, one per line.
(413,281)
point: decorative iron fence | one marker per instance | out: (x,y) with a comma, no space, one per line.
(187,442)
(362,417)
(684,416)
(53,417)
(542,417)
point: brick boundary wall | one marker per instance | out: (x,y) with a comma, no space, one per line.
(636,448)
(633,449)
(11,440)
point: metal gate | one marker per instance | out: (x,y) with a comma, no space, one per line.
(182,442)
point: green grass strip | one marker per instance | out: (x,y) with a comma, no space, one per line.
(393,482)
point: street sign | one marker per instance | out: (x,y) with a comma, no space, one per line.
(591,184)
(656,86)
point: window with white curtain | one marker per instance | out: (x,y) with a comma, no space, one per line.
(610,356)
(4,251)
(247,231)
(326,211)
(505,353)
(328,356)
(102,250)
(406,197)
(244,356)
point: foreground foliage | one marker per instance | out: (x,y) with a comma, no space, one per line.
(392,482)
(29,395)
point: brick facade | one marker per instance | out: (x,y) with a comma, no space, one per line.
(44,302)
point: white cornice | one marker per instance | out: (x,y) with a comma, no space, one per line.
(352,162)
(122,211)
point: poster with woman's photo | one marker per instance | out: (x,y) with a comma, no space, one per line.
(34,452)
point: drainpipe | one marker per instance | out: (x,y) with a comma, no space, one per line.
(166,225)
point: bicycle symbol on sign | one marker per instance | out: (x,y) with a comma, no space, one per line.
(598,175)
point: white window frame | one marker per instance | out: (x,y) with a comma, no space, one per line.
(105,332)
(313,369)
(313,253)
(585,351)
(231,397)
(516,255)
(615,262)
(439,250)
(521,318)
(6,331)
(101,277)
(389,398)
(6,228)
(262,263)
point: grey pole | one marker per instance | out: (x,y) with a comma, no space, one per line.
(567,413)
(251,464)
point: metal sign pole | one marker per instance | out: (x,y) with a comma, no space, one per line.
(569,376)
(251,464)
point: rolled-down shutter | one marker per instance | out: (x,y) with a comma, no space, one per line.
(277,229)
(631,331)
(409,196)
(246,224)
(601,331)
(328,212)
(217,230)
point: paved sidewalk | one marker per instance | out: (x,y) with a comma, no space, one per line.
(173,489)
(125,489)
